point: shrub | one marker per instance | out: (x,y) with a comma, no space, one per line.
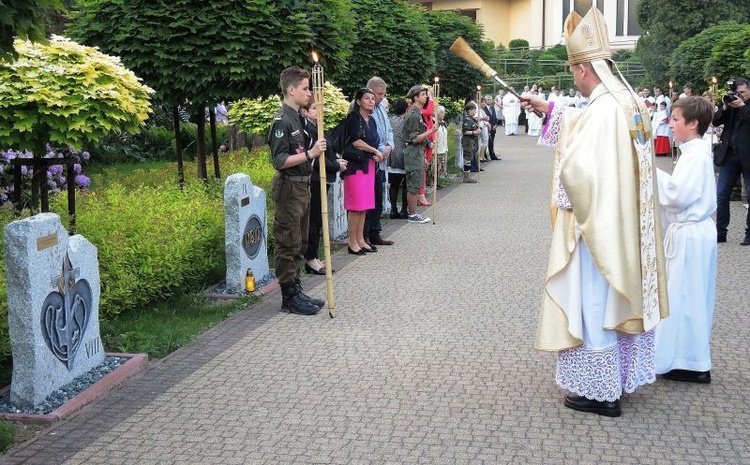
(6,435)
(254,116)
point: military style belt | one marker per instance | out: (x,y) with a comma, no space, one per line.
(296,178)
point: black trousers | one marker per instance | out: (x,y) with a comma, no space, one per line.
(397,181)
(492,143)
(372,217)
(314,232)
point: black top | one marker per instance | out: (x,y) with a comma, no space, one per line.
(332,165)
(736,135)
(358,129)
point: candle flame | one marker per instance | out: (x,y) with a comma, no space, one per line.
(713,79)
(315,57)
(437,79)
(670,84)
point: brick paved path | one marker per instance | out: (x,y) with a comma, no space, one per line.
(428,361)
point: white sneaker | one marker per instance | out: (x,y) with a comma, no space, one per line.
(417,218)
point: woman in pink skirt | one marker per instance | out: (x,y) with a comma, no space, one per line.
(362,154)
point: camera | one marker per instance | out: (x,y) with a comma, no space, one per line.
(732,95)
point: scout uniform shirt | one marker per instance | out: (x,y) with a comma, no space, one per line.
(285,138)
(414,154)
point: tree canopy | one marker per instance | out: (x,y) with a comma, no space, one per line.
(65,94)
(394,42)
(457,78)
(23,19)
(186,49)
(691,61)
(662,33)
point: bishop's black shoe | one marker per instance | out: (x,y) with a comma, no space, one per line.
(746,240)
(688,376)
(583,404)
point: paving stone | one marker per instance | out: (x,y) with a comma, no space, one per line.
(429,360)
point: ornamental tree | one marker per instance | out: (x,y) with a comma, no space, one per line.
(205,51)
(23,19)
(662,34)
(727,58)
(63,93)
(691,61)
(394,42)
(457,77)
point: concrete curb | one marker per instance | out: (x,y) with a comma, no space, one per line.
(135,364)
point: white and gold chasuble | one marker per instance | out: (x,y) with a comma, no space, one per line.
(603,163)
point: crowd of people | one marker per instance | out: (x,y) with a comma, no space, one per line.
(630,284)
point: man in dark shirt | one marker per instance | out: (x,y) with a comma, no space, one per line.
(489,110)
(733,155)
(290,189)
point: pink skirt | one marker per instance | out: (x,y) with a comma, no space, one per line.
(359,189)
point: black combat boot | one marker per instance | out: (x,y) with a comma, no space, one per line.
(317,302)
(293,302)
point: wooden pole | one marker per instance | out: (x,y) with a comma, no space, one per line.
(479,158)
(317,84)
(435,156)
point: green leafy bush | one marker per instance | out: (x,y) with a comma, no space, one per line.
(6,435)
(254,116)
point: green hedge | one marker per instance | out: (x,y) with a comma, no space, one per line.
(154,240)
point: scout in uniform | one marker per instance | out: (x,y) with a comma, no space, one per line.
(290,189)
(469,133)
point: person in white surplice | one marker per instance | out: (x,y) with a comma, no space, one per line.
(688,198)
(511,111)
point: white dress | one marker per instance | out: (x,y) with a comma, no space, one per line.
(688,197)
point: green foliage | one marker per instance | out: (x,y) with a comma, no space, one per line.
(6,435)
(560,52)
(454,108)
(64,93)
(662,34)
(726,61)
(522,44)
(254,116)
(154,143)
(23,19)
(229,49)
(394,42)
(162,328)
(457,78)
(690,62)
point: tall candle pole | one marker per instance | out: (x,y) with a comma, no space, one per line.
(317,85)
(436,157)
(479,159)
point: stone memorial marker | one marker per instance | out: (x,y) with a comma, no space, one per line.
(53,307)
(245,232)
(337,221)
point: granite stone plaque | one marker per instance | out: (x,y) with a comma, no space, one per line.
(53,307)
(246,230)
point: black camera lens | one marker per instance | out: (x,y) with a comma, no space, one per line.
(729,97)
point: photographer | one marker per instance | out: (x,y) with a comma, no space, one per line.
(733,155)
